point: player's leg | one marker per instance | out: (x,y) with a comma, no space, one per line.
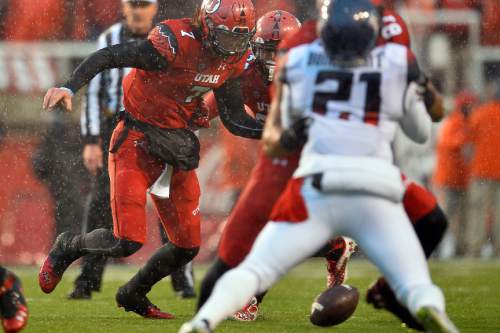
(249,216)
(477,212)
(128,199)
(496,217)
(430,224)
(182,279)
(278,248)
(386,236)
(427,217)
(181,218)
(13,308)
(99,216)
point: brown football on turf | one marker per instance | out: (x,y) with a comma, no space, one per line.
(334,305)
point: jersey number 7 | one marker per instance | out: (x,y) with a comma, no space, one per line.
(344,85)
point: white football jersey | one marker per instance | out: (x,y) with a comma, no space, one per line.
(355,111)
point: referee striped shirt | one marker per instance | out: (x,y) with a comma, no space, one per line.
(104,97)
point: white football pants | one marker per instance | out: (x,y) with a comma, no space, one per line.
(380,227)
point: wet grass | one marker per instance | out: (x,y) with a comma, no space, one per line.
(472,290)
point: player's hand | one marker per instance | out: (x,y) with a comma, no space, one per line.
(92,158)
(58,96)
(296,136)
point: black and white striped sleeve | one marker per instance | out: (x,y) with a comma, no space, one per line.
(90,118)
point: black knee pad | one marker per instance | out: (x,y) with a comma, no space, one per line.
(183,256)
(125,248)
(430,229)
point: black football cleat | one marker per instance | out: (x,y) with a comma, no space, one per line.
(133,301)
(183,282)
(60,257)
(381,296)
(13,308)
(80,293)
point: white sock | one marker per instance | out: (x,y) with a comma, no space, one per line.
(425,295)
(233,291)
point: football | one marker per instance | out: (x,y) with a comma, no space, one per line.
(334,305)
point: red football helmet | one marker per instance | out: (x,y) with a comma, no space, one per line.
(228,25)
(272,28)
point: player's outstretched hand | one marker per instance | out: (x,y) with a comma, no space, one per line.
(92,158)
(58,96)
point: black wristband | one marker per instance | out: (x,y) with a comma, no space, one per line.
(91,139)
(290,141)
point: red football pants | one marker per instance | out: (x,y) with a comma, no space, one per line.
(251,213)
(268,180)
(132,171)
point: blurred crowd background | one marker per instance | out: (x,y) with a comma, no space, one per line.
(44,186)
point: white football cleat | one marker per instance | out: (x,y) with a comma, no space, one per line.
(196,327)
(435,321)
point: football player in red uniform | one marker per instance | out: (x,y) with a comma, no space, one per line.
(252,210)
(179,62)
(13,309)
(270,176)
(254,206)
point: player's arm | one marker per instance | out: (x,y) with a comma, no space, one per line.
(273,129)
(230,104)
(416,122)
(277,140)
(139,54)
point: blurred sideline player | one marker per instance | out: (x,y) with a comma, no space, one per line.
(344,100)
(99,116)
(252,210)
(179,62)
(13,308)
(270,176)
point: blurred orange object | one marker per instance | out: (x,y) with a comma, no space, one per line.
(452,170)
(29,20)
(484,133)
(491,22)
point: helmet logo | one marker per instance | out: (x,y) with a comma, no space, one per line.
(239,13)
(211,6)
(276,27)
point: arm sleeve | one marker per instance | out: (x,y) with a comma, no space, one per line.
(139,54)
(416,122)
(90,120)
(232,113)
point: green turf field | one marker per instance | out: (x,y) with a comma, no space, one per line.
(472,291)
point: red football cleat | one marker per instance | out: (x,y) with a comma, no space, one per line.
(13,308)
(337,258)
(47,279)
(140,304)
(59,259)
(249,313)
(153,312)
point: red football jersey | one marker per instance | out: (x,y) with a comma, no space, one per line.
(255,89)
(394,30)
(168,98)
(256,92)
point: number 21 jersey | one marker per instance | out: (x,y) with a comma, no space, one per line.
(355,110)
